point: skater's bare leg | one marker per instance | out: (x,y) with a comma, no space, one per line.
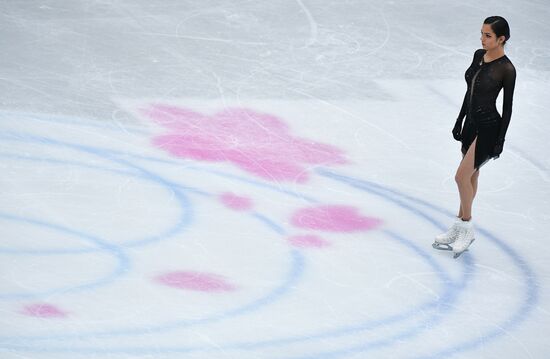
(463,178)
(475,177)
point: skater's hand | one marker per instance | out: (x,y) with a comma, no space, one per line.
(457,130)
(498,148)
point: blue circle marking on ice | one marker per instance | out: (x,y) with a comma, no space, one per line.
(186,215)
(348,329)
(164,327)
(514,320)
(294,272)
(519,316)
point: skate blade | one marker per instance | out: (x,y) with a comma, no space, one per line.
(457,254)
(442,246)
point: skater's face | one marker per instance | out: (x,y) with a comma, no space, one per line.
(488,39)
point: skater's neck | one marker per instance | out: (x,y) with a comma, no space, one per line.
(491,55)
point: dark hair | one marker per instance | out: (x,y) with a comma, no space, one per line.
(500,27)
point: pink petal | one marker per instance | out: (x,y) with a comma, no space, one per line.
(308,241)
(204,282)
(43,310)
(236,202)
(333,218)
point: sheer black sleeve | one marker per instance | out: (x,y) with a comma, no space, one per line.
(509,83)
(464,108)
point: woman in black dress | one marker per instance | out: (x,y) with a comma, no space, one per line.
(484,129)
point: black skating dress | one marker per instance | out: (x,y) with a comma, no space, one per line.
(484,81)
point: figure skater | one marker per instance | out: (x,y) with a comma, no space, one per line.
(484,130)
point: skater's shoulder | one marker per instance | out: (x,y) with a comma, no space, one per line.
(508,65)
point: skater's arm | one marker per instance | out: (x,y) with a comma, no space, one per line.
(464,108)
(509,83)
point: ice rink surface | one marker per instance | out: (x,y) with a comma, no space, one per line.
(248,179)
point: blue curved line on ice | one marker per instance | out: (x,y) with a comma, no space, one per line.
(129,244)
(186,215)
(268,222)
(531,293)
(69,120)
(348,329)
(122,267)
(293,275)
(446,302)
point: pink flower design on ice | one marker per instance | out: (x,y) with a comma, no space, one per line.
(237,203)
(333,219)
(43,310)
(197,281)
(308,240)
(256,142)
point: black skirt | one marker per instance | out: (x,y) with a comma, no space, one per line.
(487,131)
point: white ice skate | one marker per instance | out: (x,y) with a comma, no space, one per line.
(464,239)
(443,240)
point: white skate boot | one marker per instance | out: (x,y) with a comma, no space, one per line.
(464,239)
(443,240)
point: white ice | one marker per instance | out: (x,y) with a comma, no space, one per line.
(92,212)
